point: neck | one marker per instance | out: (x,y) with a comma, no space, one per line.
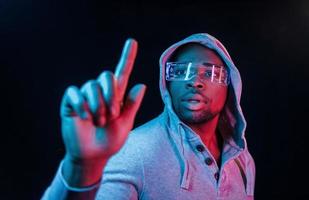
(209,136)
(207,131)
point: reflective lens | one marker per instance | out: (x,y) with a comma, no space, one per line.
(183,71)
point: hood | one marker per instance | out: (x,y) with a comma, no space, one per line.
(232,123)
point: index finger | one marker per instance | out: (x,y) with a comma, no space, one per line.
(125,65)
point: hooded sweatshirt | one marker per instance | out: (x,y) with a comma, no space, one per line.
(165,159)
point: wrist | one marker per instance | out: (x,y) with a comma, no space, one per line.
(82,173)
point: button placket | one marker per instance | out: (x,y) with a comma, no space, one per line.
(208,161)
(200,148)
(224,189)
(216,175)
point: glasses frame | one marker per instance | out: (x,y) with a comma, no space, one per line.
(222,68)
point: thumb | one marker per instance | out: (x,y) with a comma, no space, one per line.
(133,102)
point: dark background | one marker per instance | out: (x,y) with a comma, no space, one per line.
(47,45)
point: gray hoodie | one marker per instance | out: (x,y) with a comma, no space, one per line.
(160,159)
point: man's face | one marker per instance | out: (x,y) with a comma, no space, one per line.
(196,101)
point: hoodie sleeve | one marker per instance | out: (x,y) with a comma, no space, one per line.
(122,179)
(60,190)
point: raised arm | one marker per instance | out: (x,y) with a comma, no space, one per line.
(96,120)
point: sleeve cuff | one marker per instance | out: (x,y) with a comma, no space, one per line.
(75,189)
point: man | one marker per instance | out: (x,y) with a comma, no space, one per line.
(194,150)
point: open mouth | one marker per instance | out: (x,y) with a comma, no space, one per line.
(193,100)
(194,104)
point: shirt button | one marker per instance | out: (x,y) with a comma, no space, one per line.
(200,148)
(216,175)
(208,161)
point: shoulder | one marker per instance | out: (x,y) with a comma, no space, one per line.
(248,163)
(247,159)
(142,145)
(143,141)
(152,130)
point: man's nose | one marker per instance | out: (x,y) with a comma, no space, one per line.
(196,83)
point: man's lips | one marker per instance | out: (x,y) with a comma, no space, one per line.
(194,103)
(195,99)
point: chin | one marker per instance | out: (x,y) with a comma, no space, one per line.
(197,117)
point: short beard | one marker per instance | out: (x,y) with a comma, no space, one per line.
(202,117)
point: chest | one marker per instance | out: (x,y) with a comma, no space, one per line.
(173,177)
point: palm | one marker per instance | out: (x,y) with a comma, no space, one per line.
(106,127)
(84,140)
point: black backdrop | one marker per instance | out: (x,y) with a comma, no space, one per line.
(47,45)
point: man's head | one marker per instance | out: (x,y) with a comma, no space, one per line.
(197,101)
